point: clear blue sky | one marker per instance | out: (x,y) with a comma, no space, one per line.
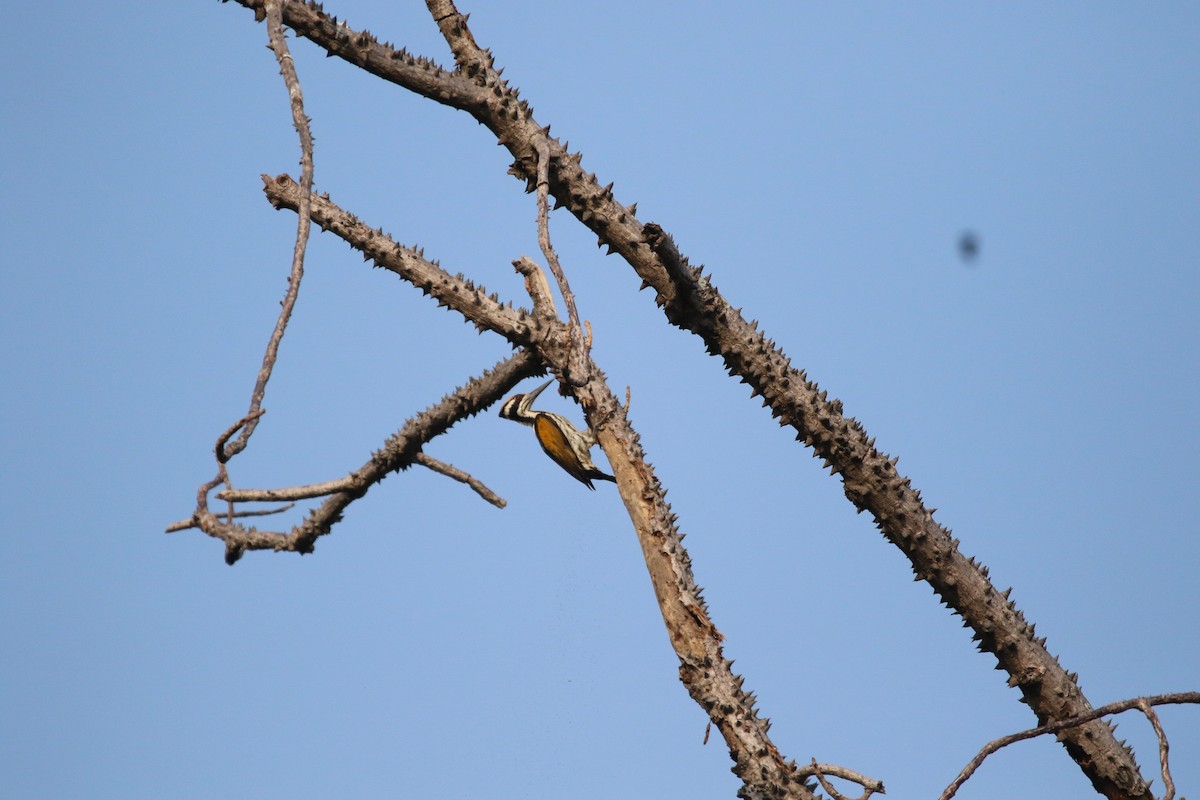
(821,162)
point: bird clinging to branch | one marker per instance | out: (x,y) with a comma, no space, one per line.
(565,445)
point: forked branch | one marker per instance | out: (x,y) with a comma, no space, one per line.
(690,301)
(704,670)
(398,452)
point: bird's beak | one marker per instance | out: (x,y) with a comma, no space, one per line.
(525,405)
(533,395)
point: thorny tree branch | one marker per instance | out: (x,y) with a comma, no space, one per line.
(326,488)
(704,670)
(690,301)
(400,450)
(237,538)
(1143,704)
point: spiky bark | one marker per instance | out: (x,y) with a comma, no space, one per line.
(690,301)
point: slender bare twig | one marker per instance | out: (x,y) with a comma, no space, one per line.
(228,433)
(578,360)
(304,492)
(287,68)
(326,488)
(820,771)
(186,524)
(1163,748)
(1119,707)
(450,471)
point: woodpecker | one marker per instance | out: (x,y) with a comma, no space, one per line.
(565,445)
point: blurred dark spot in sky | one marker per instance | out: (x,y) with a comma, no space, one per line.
(968,247)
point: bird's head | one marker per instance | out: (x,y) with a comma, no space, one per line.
(518,408)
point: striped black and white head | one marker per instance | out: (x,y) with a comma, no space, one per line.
(519,407)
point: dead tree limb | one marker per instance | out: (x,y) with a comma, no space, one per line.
(397,453)
(690,301)
(287,68)
(704,670)
(1143,704)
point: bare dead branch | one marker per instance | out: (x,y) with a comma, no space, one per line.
(187,524)
(305,492)
(360,48)
(287,68)
(398,453)
(578,359)
(219,448)
(870,478)
(1141,703)
(453,291)
(820,771)
(326,488)
(477,65)
(1164,748)
(537,287)
(705,672)
(691,302)
(471,60)
(450,471)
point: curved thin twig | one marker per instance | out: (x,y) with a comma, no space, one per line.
(820,771)
(325,488)
(578,358)
(1163,748)
(1142,703)
(287,68)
